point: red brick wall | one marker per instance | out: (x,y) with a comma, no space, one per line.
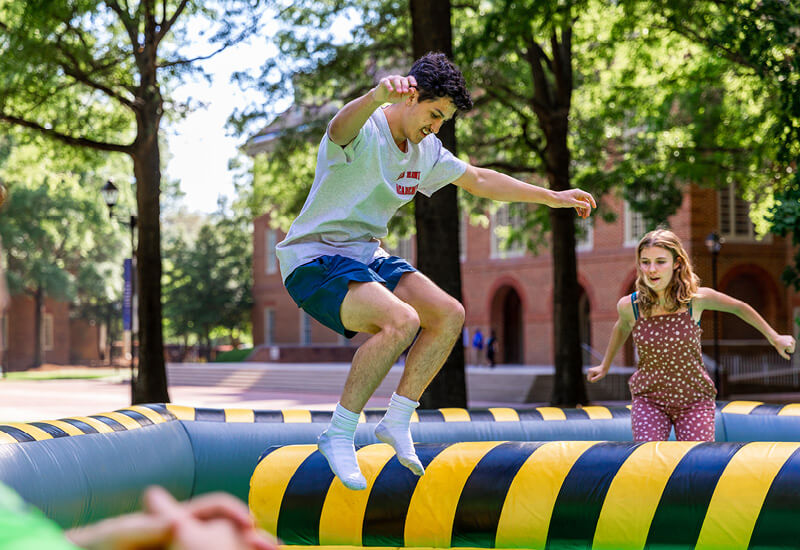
(21,326)
(269,292)
(85,341)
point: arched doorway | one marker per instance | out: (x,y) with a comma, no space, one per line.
(506,321)
(749,288)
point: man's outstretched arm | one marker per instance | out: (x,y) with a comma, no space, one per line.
(486,183)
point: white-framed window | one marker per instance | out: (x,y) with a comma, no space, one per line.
(635,227)
(505,219)
(269,326)
(734,216)
(305,328)
(47,332)
(270,260)
(584,234)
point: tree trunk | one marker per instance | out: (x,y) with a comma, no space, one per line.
(568,388)
(437,217)
(38,343)
(151,381)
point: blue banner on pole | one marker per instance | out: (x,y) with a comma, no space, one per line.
(127,296)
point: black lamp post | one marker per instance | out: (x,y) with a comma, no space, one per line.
(110,195)
(714,245)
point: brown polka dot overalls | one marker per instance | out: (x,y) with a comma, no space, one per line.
(671,386)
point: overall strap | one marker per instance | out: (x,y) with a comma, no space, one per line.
(635,307)
(690,313)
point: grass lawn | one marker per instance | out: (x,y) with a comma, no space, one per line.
(66,373)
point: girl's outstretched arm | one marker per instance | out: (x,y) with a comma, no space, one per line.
(708,298)
(622,328)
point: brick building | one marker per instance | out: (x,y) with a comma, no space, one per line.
(510,290)
(64,340)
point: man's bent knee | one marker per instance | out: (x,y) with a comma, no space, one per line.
(402,322)
(449,317)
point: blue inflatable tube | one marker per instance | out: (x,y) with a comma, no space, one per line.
(82,469)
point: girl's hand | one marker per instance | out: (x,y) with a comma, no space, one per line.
(784,344)
(596,373)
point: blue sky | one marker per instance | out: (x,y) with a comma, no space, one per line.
(199,145)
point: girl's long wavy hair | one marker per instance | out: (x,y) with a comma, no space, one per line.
(684,283)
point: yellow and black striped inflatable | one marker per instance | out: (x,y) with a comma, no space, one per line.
(129,418)
(85,468)
(562,494)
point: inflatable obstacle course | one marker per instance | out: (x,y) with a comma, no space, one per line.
(565,494)
(81,469)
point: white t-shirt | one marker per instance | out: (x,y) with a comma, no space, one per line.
(356,191)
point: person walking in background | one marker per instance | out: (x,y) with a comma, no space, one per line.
(671,386)
(378,152)
(491,349)
(477,346)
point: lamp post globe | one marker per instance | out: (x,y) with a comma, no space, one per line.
(110,195)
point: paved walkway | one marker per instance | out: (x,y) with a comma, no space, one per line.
(274,386)
(314,387)
(30,400)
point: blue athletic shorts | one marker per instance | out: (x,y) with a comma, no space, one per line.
(319,286)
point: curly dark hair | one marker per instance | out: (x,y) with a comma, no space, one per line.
(438,77)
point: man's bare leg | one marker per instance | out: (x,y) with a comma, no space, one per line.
(371,308)
(441,318)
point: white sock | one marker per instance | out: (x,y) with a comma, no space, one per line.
(394,429)
(336,445)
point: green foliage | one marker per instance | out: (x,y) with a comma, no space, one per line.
(281,182)
(207,281)
(652,110)
(717,118)
(785,220)
(761,38)
(234,355)
(55,228)
(75,69)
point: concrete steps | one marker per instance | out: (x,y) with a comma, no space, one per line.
(503,384)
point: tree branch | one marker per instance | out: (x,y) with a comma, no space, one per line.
(533,145)
(69,140)
(562,62)
(128,22)
(166,24)
(83,77)
(193,59)
(535,56)
(728,53)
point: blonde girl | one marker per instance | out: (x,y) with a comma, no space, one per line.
(671,386)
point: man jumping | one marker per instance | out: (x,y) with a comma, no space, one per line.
(378,151)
